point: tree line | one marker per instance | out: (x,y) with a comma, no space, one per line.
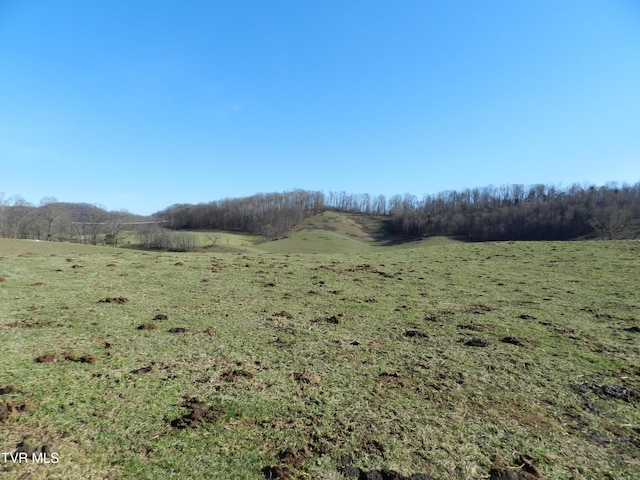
(509,212)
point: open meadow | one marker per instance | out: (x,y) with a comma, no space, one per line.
(453,360)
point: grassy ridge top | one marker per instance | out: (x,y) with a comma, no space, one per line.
(393,357)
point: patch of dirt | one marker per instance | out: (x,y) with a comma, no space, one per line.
(88,359)
(308,378)
(116,300)
(634,329)
(2,279)
(142,370)
(283,314)
(147,326)
(471,326)
(293,456)
(349,471)
(415,334)
(617,391)
(526,316)
(233,375)
(46,449)
(48,358)
(9,389)
(37,284)
(476,342)
(525,470)
(199,414)
(282,472)
(161,316)
(177,330)
(30,323)
(9,409)
(178,264)
(512,341)
(394,379)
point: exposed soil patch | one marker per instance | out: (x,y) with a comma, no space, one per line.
(199,414)
(476,342)
(9,409)
(178,264)
(334,319)
(525,470)
(634,329)
(526,316)
(471,326)
(617,391)
(293,456)
(46,449)
(512,341)
(282,472)
(415,334)
(177,330)
(9,389)
(160,316)
(233,375)
(147,326)
(37,284)
(2,279)
(116,300)
(30,323)
(394,380)
(48,358)
(142,370)
(308,378)
(283,314)
(349,471)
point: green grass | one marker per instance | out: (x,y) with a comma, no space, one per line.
(309,350)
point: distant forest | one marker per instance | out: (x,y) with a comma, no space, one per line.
(511,212)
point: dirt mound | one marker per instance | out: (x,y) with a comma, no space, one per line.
(349,471)
(9,389)
(177,330)
(48,358)
(526,470)
(116,300)
(142,370)
(9,409)
(199,414)
(415,334)
(477,342)
(147,326)
(512,341)
(160,316)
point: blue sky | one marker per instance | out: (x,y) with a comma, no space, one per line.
(142,104)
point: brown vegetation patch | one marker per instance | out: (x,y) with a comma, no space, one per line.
(37,284)
(147,326)
(2,279)
(283,314)
(233,375)
(116,300)
(178,264)
(293,456)
(199,414)
(111,265)
(480,309)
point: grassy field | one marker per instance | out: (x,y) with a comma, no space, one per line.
(442,358)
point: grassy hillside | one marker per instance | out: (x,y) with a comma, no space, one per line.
(450,361)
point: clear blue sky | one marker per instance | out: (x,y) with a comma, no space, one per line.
(142,104)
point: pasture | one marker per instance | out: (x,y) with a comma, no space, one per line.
(453,360)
